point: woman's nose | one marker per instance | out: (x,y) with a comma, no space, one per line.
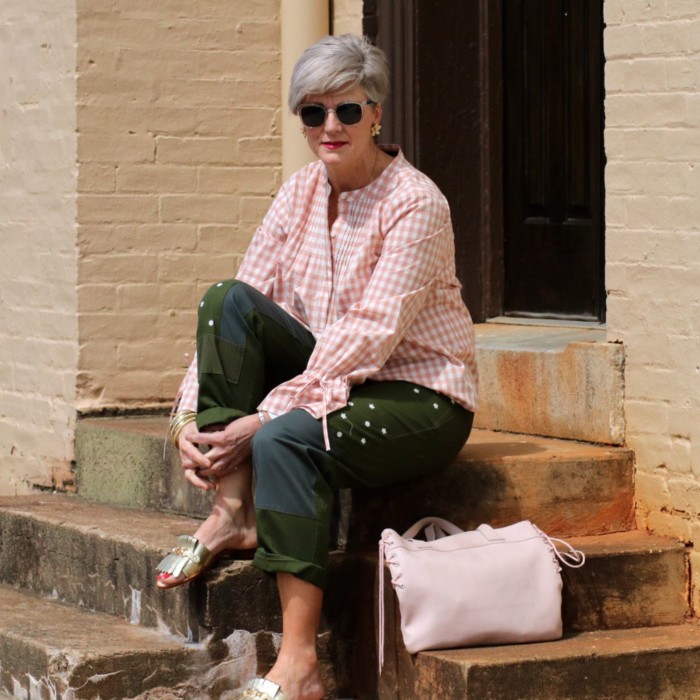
(332,122)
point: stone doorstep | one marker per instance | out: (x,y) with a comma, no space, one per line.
(654,663)
(50,650)
(559,381)
(102,558)
(567,487)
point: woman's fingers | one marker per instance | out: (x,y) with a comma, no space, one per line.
(190,453)
(212,439)
(198,478)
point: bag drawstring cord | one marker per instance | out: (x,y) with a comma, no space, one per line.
(573,558)
(380,574)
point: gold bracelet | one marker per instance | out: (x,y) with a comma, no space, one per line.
(177,424)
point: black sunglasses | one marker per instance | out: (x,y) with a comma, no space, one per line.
(347,113)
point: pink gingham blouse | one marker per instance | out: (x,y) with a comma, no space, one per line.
(378,291)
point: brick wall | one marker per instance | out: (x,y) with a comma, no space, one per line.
(38,334)
(652,142)
(178,157)
(347,17)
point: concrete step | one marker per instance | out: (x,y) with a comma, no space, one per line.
(655,663)
(102,558)
(556,381)
(567,488)
(630,579)
(128,461)
(564,486)
(50,650)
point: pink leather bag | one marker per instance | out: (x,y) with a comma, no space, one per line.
(486,586)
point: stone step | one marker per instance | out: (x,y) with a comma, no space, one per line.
(653,663)
(128,461)
(564,486)
(567,488)
(551,380)
(102,558)
(631,579)
(50,650)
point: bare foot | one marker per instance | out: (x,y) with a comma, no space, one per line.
(225,529)
(298,677)
(231,525)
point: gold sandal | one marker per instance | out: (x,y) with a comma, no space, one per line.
(262,689)
(190,558)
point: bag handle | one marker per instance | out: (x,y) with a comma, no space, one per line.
(439,528)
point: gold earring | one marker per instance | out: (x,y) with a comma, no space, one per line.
(303,130)
(375,129)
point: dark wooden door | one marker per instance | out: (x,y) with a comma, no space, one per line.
(500,102)
(444,111)
(553,158)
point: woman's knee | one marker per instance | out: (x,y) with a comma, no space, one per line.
(294,430)
(285,455)
(219,292)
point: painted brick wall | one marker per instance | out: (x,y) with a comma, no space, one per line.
(347,17)
(652,142)
(38,332)
(178,158)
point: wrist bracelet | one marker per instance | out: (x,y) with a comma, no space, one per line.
(262,417)
(177,424)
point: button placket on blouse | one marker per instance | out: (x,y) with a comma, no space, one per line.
(336,239)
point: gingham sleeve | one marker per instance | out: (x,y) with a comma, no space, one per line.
(416,246)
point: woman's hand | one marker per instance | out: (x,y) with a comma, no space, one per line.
(230,448)
(192,459)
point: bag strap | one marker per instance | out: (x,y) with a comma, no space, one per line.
(380,595)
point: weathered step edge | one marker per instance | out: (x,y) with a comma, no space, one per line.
(566,487)
(560,382)
(103,557)
(48,649)
(653,663)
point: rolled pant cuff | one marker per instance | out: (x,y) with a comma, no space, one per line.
(279,564)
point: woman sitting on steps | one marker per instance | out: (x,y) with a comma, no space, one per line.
(341,355)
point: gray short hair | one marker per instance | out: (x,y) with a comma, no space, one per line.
(339,62)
